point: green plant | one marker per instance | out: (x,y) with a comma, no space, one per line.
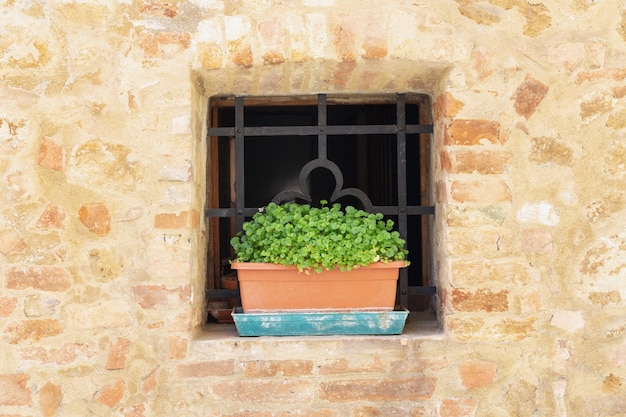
(318,238)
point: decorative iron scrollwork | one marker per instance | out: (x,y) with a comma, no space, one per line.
(305,194)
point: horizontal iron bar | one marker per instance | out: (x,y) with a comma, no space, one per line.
(220,212)
(414,290)
(221,131)
(389,211)
(412,129)
(229,212)
(319,130)
(410,210)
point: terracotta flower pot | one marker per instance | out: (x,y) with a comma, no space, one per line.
(229,282)
(269,287)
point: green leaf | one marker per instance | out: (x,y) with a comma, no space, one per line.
(318,238)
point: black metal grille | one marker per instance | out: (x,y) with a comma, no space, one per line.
(401,211)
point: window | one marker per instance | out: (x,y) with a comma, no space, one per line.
(372,152)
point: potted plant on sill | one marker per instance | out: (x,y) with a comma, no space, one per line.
(294,257)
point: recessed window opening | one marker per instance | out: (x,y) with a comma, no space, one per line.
(371,152)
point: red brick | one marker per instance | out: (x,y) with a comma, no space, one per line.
(472,132)
(465,407)
(7,305)
(481,162)
(547,150)
(375,51)
(149,382)
(44,278)
(528,96)
(343,366)
(111,394)
(34,330)
(619,92)
(617,74)
(480,300)
(506,330)
(150,296)
(242,55)
(50,397)
(375,44)
(483,63)
(476,374)
(64,355)
(205,369)
(446,161)
(117,353)
(342,73)
(160,9)
(262,368)
(446,106)
(11,241)
(51,218)
(344,44)
(164,44)
(514,329)
(13,390)
(537,241)
(96,218)
(274,390)
(177,347)
(595,106)
(466,329)
(409,389)
(182,220)
(481,191)
(51,154)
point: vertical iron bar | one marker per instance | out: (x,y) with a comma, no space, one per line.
(240,203)
(402,197)
(322,145)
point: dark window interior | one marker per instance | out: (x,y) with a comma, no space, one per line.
(367,161)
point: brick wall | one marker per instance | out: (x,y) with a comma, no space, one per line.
(102,128)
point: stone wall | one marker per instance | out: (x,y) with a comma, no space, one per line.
(102,125)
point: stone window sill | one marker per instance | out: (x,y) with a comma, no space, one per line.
(418,326)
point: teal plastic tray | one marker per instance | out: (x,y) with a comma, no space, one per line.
(320,323)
